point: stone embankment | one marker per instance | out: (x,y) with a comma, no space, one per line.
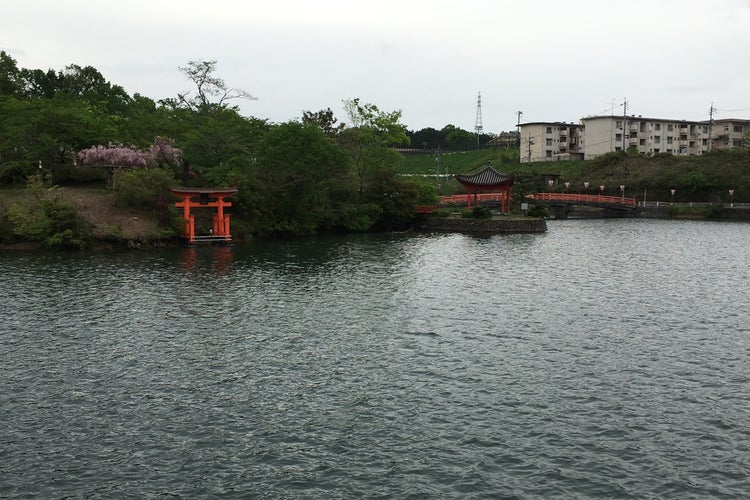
(500,225)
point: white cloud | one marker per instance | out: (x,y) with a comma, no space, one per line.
(552,60)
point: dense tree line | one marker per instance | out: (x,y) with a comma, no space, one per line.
(297,177)
(449,138)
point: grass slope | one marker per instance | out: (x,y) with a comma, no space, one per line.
(706,178)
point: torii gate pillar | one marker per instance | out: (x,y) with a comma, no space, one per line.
(206,197)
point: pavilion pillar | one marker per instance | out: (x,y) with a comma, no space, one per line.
(508,199)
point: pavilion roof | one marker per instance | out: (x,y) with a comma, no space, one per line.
(487,177)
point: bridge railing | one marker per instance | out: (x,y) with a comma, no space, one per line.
(461,198)
(584,198)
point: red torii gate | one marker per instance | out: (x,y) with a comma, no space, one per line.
(206,197)
(488,179)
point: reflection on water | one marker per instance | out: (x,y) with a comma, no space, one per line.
(601,359)
(216,258)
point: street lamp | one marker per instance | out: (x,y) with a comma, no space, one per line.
(622,188)
(550,182)
(586,187)
(567,185)
(601,188)
(731,196)
(673,191)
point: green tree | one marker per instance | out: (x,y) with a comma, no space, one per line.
(368,138)
(219,140)
(302,173)
(323,119)
(10,76)
(47,130)
(88,84)
(427,138)
(457,138)
(211,92)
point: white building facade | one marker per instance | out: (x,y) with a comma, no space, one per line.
(551,141)
(645,135)
(598,135)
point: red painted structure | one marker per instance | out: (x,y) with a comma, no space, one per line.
(206,198)
(488,179)
(593,199)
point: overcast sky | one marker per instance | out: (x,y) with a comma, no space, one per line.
(554,60)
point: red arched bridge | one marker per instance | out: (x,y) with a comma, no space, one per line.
(564,202)
(591,200)
(560,204)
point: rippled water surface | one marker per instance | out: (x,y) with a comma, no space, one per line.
(602,359)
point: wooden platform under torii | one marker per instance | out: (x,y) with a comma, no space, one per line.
(488,180)
(205,198)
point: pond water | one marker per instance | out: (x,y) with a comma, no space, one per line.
(605,358)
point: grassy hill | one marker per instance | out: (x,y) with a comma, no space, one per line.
(457,162)
(695,178)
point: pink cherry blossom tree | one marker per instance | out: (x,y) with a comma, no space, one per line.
(161,152)
(116,156)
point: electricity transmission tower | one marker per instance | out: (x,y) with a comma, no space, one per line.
(478,122)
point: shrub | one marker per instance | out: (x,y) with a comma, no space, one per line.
(143,188)
(538,211)
(442,212)
(51,221)
(715,211)
(481,212)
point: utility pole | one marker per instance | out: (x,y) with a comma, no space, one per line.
(625,132)
(518,130)
(478,122)
(710,125)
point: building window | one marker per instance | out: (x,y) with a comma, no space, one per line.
(643,142)
(618,124)
(549,142)
(737,143)
(656,151)
(705,130)
(705,142)
(726,128)
(670,127)
(618,137)
(669,139)
(657,138)
(657,126)
(738,128)
(549,130)
(549,153)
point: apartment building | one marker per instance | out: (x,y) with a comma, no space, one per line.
(730,133)
(598,135)
(550,141)
(604,134)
